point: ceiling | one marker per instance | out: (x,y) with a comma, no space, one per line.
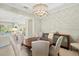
(28,7)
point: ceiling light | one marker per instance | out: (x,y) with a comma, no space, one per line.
(40,9)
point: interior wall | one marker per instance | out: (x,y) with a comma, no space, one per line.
(36,26)
(64,20)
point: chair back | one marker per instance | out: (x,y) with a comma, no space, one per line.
(16,46)
(58,43)
(40,48)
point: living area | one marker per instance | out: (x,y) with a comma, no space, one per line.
(43,29)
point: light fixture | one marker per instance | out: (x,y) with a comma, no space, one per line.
(40,9)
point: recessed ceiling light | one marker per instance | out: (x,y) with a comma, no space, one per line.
(25,7)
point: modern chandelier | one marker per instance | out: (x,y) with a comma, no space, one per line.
(40,9)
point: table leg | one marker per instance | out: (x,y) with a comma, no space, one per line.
(71,48)
(78,52)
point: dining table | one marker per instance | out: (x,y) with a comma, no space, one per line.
(28,41)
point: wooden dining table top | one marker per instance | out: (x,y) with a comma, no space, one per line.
(28,41)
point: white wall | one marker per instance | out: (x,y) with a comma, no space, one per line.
(65,20)
(37,23)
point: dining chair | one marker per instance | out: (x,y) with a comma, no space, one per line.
(40,48)
(54,50)
(16,46)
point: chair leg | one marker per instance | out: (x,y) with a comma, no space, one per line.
(71,48)
(58,54)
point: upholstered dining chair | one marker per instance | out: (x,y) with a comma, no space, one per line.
(6,48)
(40,48)
(16,46)
(54,50)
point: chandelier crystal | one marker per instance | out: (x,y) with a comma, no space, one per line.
(40,9)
